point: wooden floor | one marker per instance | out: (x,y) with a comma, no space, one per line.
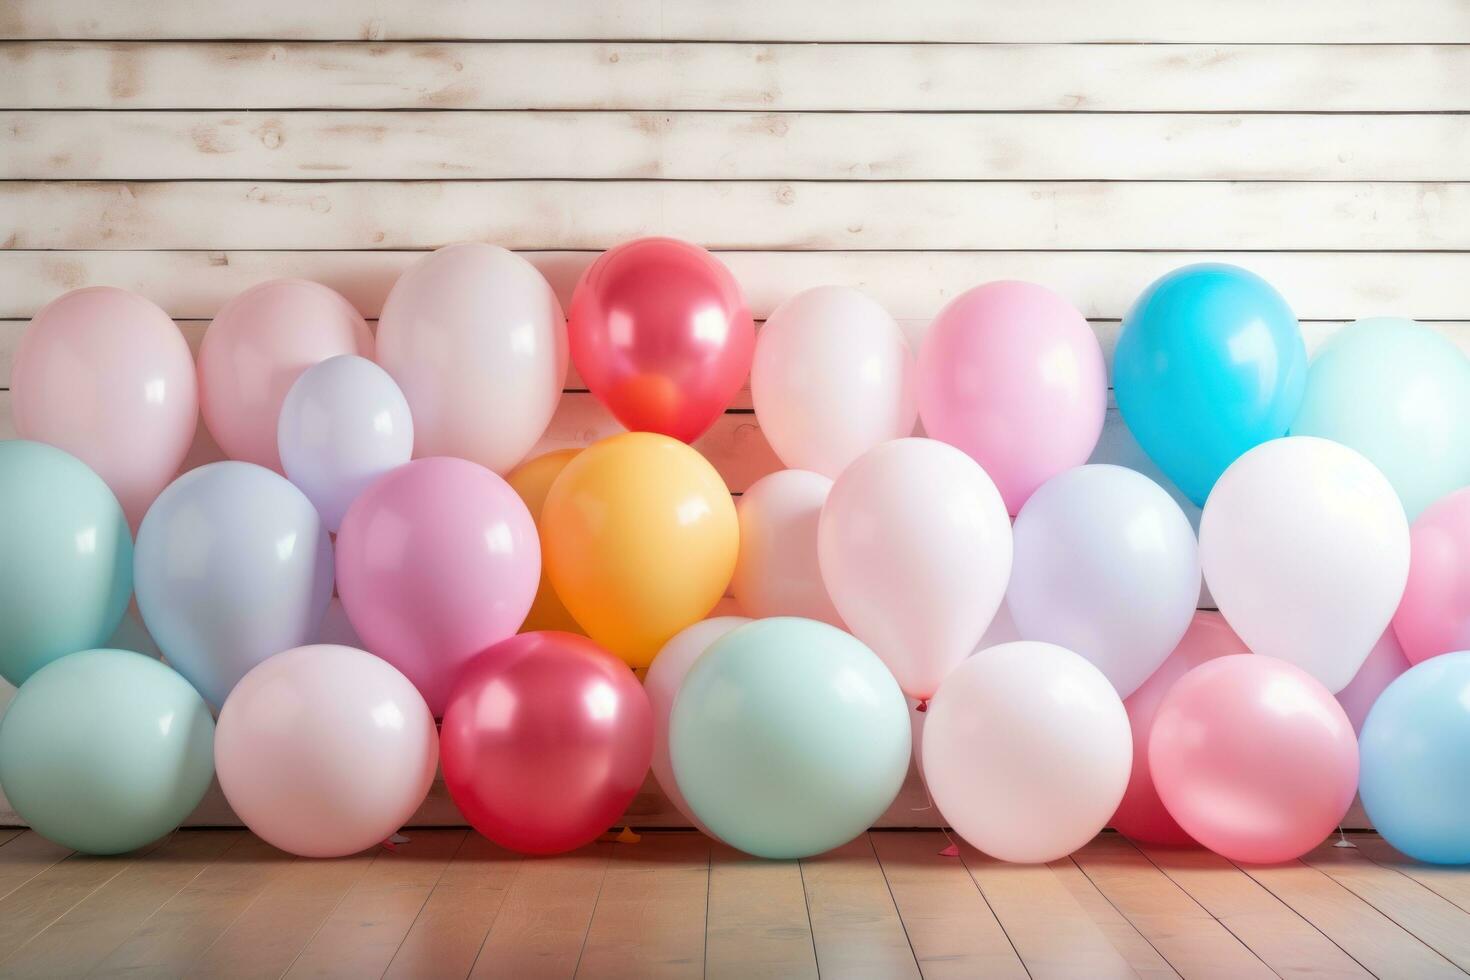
(450,904)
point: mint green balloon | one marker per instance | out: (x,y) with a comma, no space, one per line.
(104,751)
(66,558)
(1398,393)
(789,737)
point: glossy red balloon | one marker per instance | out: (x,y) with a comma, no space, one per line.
(661,335)
(545,742)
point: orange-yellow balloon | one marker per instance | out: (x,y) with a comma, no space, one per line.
(532,480)
(639,538)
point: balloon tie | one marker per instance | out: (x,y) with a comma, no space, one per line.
(923,706)
(953,850)
(1343,841)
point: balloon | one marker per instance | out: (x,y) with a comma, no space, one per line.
(106,375)
(1433,616)
(476,339)
(1141,815)
(777,573)
(325,751)
(104,751)
(257,346)
(1398,393)
(1254,758)
(661,335)
(915,550)
(233,565)
(832,378)
(1210,363)
(344,423)
(1106,565)
(1012,374)
(546,740)
(640,539)
(1416,761)
(789,738)
(532,482)
(66,558)
(1384,665)
(665,677)
(435,562)
(1306,550)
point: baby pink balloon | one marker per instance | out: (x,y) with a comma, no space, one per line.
(256,348)
(1012,374)
(436,561)
(1385,663)
(1434,615)
(777,573)
(1254,758)
(105,375)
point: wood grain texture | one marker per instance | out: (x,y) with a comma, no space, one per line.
(758,924)
(542,924)
(856,928)
(650,920)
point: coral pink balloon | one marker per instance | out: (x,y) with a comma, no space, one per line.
(1254,758)
(256,348)
(1385,663)
(105,375)
(1141,815)
(1012,374)
(436,561)
(777,572)
(1434,615)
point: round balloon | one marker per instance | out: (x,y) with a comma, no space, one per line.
(1385,663)
(1433,616)
(1254,758)
(106,375)
(547,739)
(789,738)
(66,558)
(325,751)
(532,481)
(233,565)
(1306,550)
(777,573)
(104,751)
(641,538)
(1210,363)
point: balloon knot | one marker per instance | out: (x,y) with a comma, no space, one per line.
(952,851)
(923,706)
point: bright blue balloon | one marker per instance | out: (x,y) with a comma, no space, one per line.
(1210,363)
(233,565)
(1415,750)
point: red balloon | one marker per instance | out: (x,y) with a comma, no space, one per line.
(545,742)
(661,335)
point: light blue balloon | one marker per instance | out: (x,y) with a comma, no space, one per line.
(1398,393)
(789,737)
(1210,363)
(66,558)
(1415,758)
(233,565)
(104,751)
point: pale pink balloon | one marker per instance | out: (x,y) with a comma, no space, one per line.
(1254,757)
(777,573)
(1012,374)
(1386,661)
(257,346)
(1434,615)
(106,375)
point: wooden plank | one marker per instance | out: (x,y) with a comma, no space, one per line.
(758,925)
(650,918)
(752,77)
(1127,940)
(856,928)
(24,857)
(543,922)
(1448,881)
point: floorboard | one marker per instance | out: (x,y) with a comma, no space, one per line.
(650,915)
(542,926)
(1450,882)
(758,925)
(855,925)
(1134,948)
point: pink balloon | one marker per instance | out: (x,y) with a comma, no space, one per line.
(777,572)
(256,348)
(436,561)
(1012,374)
(1385,663)
(105,375)
(1254,758)
(1434,615)
(1142,815)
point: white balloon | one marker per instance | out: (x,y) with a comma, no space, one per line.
(1306,549)
(777,573)
(832,378)
(1106,565)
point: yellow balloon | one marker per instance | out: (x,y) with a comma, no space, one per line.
(639,537)
(532,480)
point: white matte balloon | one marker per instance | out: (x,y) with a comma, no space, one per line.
(777,573)
(1306,549)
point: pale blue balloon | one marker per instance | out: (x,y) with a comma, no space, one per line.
(233,565)
(789,737)
(1399,393)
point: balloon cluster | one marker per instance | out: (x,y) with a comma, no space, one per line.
(377,552)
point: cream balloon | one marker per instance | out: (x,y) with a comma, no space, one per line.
(777,573)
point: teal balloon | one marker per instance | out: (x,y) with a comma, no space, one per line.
(104,751)
(1398,393)
(66,558)
(1210,363)
(789,737)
